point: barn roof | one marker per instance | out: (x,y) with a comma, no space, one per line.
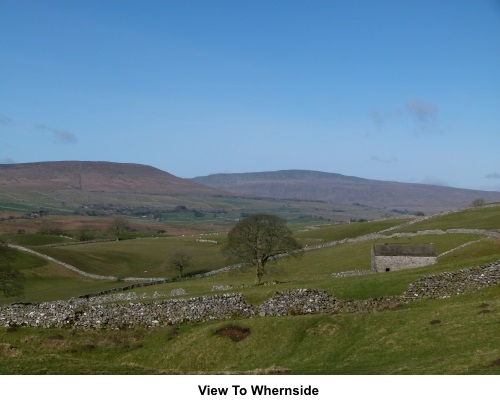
(404,249)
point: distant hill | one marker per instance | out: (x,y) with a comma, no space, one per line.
(97,176)
(340,189)
(335,189)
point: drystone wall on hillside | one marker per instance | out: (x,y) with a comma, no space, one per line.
(446,284)
(83,314)
(101,312)
(352,273)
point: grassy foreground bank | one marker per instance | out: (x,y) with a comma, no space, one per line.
(457,335)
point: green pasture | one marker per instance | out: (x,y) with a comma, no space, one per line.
(33,200)
(487,217)
(314,270)
(457,335)
(35,239)
(212,210)
(139,257)
(52,282)
(47,281)
(314,235)
(146,258)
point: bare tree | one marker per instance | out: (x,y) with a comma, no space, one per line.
(49,228)
(83,233)
(118,226)
(179,260)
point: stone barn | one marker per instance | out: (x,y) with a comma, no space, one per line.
(399,256)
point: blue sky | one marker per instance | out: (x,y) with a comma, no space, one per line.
(391,90)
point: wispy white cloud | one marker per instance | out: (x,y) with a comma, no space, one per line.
(6,161)
(59,136)
(383,117)
(422,111)
(494,175)
(377,116)
(379,159)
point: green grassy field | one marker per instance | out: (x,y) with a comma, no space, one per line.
(458,335)
(487,217)
(145,258)
(216,210)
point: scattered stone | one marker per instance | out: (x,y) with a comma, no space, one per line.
(351,273)
(221,287)
(178,291)
(207,241)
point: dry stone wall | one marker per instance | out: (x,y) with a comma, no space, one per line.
(83,314)
(446,284)
(102,312)
(352,273)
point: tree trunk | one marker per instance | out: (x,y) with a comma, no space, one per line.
(259,273)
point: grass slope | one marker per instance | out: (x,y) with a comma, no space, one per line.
(458,335)
(487,217)
(145,258)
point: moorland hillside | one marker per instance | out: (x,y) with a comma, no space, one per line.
(340,189)
(97,176)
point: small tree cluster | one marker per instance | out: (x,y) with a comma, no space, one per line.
(50,228)
(478,202)
(118,227)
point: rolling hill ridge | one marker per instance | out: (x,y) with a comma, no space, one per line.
(340,189)
(97,176)
(292,185)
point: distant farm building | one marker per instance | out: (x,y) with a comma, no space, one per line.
(399,256)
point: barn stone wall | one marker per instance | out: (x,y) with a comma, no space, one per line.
(382,263)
